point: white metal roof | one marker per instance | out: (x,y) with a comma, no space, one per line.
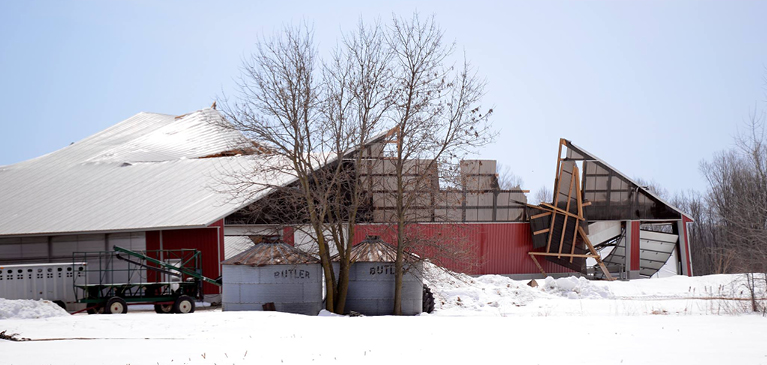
(143,173)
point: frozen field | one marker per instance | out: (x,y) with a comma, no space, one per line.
(479,320)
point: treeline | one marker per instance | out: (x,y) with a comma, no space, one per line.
(729,234)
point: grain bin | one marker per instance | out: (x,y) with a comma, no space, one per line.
(273,273)
(371,279)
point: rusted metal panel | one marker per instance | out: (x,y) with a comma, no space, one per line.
(374,249)
(277,253)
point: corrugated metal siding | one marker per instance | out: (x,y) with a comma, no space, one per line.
(203,239)
(493,248)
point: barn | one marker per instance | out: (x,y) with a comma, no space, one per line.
(144,183)
(157,181)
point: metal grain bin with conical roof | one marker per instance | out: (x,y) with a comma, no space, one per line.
(273,273)
(371,280)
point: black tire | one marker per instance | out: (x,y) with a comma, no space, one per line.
(163,308)
(60,303)
(116,305)
(184,304)
(428,299)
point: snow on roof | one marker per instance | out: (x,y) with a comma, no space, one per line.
(194,135)
(143,173)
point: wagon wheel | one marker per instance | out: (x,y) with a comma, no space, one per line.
(116,305)
(183,304)
(163,308)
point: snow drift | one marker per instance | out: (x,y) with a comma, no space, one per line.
(26,309)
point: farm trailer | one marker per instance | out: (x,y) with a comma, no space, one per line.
(54,282)
(168,279)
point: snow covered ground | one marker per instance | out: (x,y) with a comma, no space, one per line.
(478,320)
(494,295)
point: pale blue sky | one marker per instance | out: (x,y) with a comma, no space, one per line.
(652,87)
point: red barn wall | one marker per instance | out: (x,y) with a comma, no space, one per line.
(634,264)
(492,248)
(209,241)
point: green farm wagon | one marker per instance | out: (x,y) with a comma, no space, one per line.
(171,280)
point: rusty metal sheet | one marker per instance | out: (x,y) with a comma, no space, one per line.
(278,253)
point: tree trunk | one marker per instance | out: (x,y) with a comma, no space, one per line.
(400,238)
(343,284)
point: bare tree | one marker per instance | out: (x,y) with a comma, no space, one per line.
(709,251)
(507,179)
(357,97)
(310,116)
(543,195)
(314,118)
(435,114)
(653,187)
(737,196)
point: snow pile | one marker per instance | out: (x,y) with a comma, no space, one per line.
(485,295)
(25,309)
(494,295)
(575,288)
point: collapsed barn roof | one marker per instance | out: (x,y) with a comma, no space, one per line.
(560,229)
(615,196)
(146,172)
